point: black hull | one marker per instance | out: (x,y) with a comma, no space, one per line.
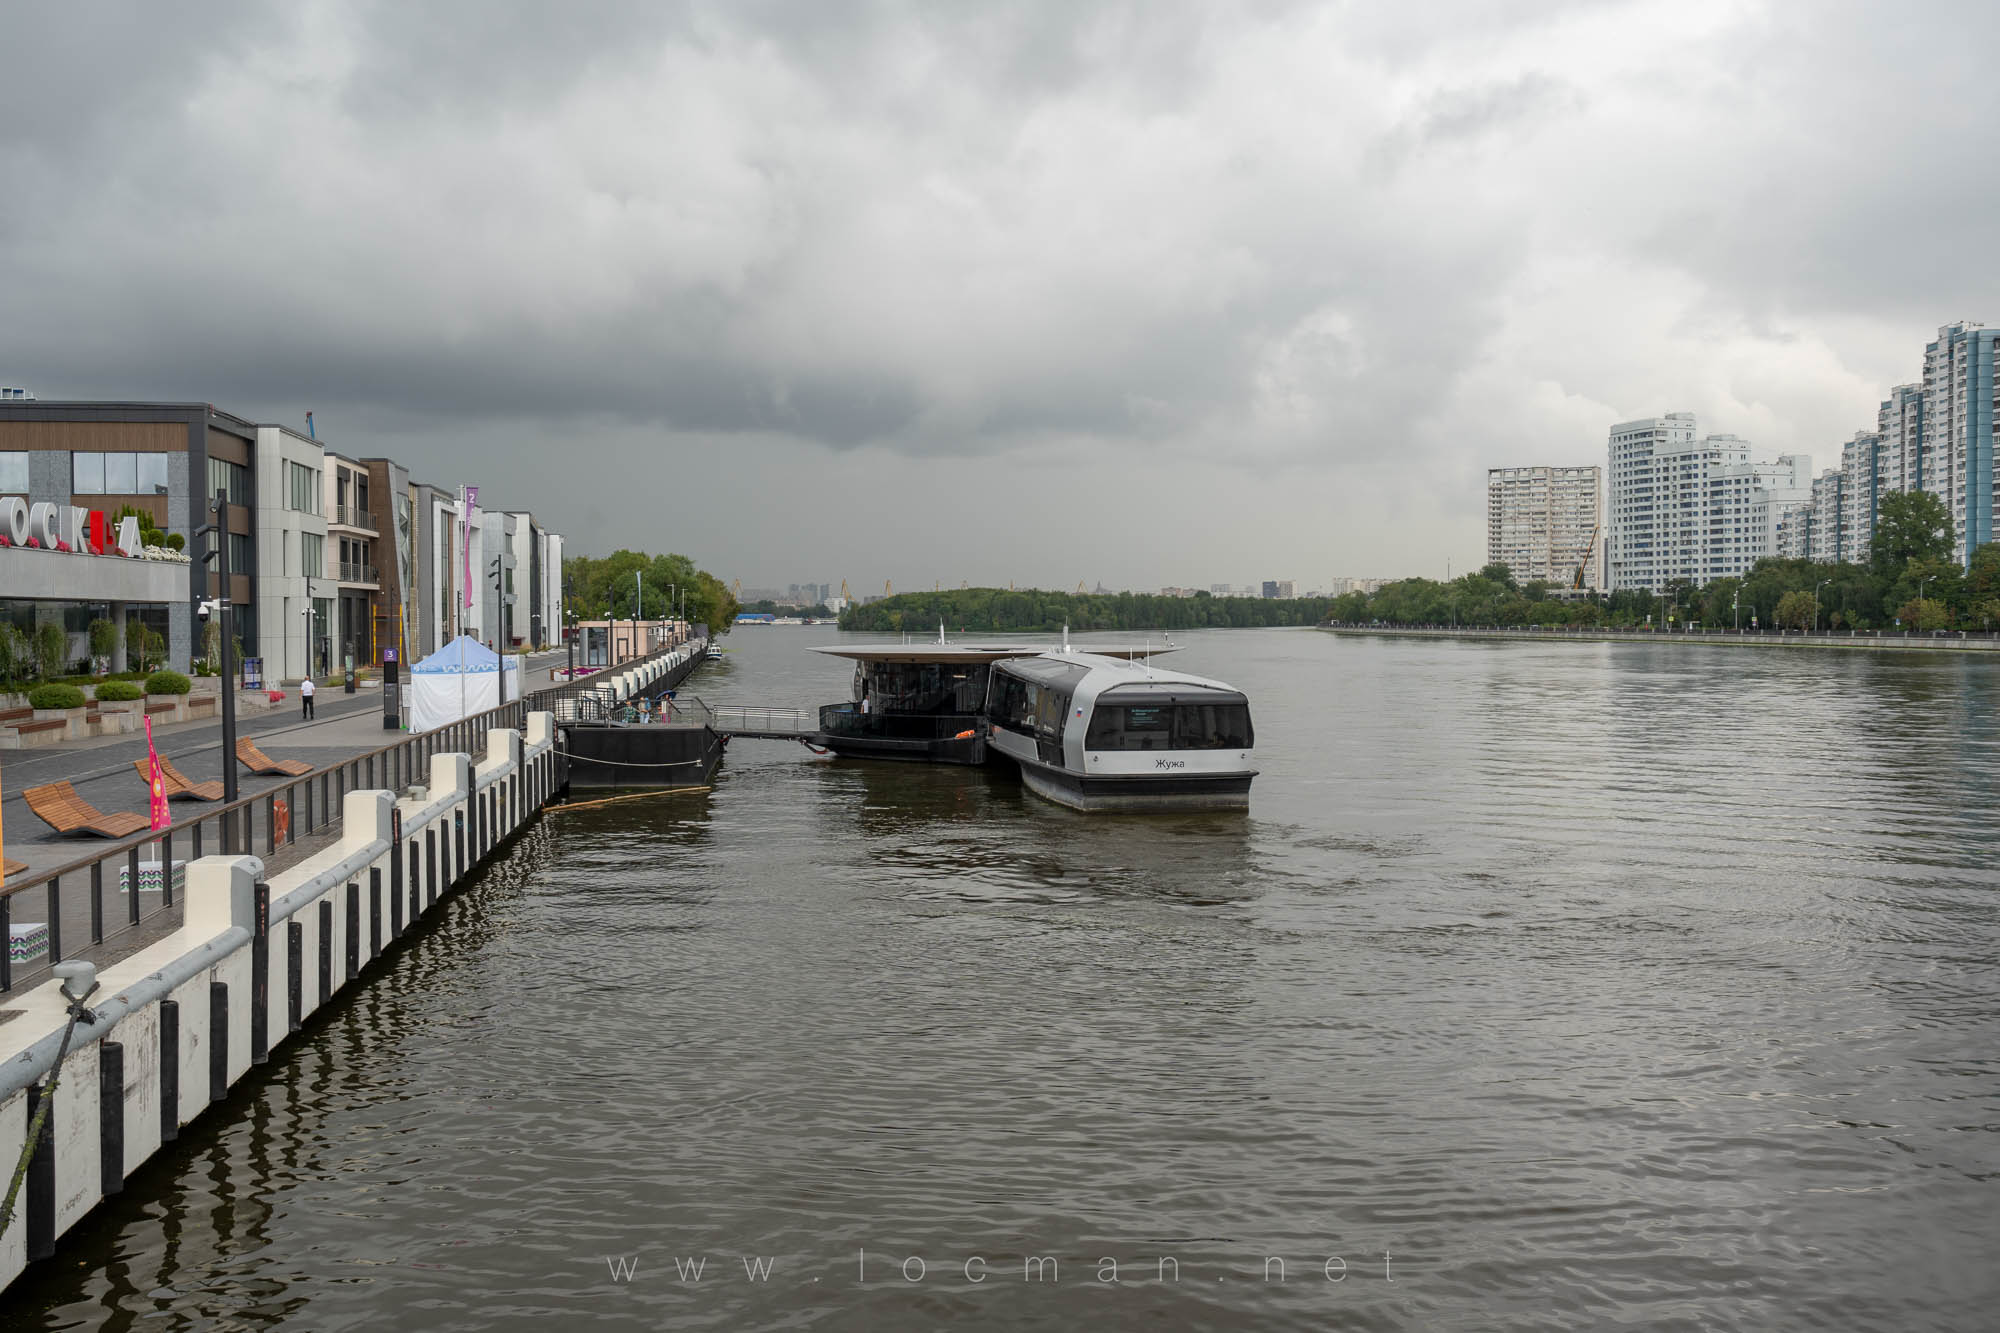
(948,750)
(1137,792)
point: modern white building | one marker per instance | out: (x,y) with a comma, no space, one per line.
(1545,523)
(294,595)
(1682,507)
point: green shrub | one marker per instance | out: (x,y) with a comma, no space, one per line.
(55,696)
(118,692)
(174,541)
(168,682)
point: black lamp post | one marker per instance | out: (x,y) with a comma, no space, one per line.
(218,533)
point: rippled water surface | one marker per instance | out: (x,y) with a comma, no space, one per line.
(1593,985)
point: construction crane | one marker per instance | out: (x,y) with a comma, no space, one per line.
(845,595)
(888,588)
(736,591)
(1079,585)
(1589,553)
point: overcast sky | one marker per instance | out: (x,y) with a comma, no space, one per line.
(1139,294)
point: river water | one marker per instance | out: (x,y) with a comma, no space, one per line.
(1543,986)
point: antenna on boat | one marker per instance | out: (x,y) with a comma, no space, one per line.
(1065,636)
(940,631)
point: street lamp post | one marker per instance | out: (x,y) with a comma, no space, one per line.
(1816,587)
(219,552)
(1736,608)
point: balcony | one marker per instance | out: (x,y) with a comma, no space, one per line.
(353,573)
(351,516)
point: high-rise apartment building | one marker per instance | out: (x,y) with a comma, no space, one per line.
(1937,436)
(1546,523)
(1961,414)
(1694,509)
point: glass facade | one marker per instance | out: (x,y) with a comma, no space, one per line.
(13,473)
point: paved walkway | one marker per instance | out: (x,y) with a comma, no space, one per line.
(101,768)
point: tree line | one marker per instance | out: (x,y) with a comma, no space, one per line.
(988,610)
(607,587)
(1908,581)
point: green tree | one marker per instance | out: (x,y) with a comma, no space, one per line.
(1795,609)
(1925,614)
(1909,526)
(50,643)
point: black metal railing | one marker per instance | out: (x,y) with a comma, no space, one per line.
(72,900)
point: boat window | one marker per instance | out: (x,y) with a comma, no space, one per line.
(1170,727)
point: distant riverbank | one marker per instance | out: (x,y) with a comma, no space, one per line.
(1951,641)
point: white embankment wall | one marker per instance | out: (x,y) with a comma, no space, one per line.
(178,1023)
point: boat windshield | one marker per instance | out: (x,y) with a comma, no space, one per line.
(1177,726)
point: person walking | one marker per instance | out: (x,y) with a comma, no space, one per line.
(306,696)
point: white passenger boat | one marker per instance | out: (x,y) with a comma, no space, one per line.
(1093,730)
(1105,733)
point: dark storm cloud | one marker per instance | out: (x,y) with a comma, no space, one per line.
(1362,239)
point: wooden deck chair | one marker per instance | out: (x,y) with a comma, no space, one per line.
(58,806)
(178,787)
(257,761)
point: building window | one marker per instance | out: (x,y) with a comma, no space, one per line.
(312,555)
(117,473)
(302,488)
(232,478)
(13,473)
(241,553)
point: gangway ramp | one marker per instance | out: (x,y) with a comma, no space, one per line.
(754,723)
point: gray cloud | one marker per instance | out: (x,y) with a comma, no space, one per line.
(1348,251)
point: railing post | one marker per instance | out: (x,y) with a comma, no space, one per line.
(39,1207)
(170,1070)
(353,929)
(325,950)
(110,1117)
(374,911)
(295,950)
(260,975)
(218,1041)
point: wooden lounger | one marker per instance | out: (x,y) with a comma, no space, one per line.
(178,787)
(12,868)
(257,761)
(58,806)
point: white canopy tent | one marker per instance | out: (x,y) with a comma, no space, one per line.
(461,679)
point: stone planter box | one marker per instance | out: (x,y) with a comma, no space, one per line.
(175,710)
(115,724)
(132,706)
(73,718)
(206,685)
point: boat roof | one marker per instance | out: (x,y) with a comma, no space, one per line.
(1130,679)
(976,653)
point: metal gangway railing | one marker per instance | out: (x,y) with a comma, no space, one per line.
(762,723)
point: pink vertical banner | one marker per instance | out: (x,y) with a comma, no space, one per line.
(156,782)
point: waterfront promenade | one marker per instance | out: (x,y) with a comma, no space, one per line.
(1865,640)
(102,773)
